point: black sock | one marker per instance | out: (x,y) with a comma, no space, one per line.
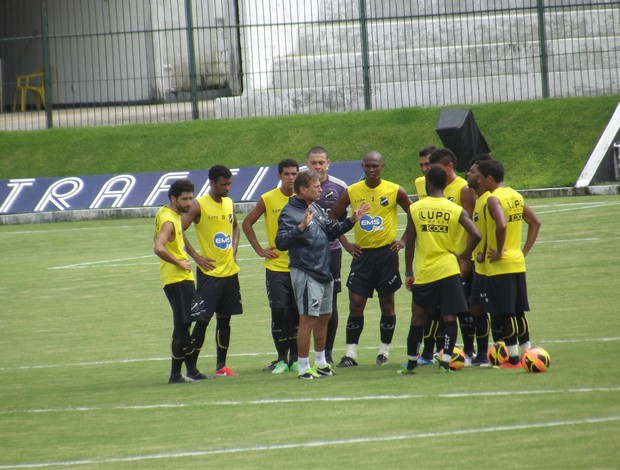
(481,324)
(430,331)
(293,325)
(497,328)
(439,336)
(414,339)
(222,341)
(355,326)
(278,332)
(179,347)
(387,326)
(197,340)
(450,331)
(523,332)
(332,327)
(468,332)
(510,336)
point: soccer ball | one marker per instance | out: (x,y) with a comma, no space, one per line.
(457,361)
(497,353)
(536,360)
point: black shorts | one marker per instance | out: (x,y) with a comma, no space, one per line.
(446,294)
(221,295)
(279,289)
(184,301)
(477,290)
(335,267)
(506,294)
(375,269)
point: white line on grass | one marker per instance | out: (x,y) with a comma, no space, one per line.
(93,263)
(314,444)
(256,354)
(328,399)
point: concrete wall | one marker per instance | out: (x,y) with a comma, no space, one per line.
(436,53)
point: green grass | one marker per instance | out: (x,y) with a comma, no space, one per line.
(542,143)
(85,352)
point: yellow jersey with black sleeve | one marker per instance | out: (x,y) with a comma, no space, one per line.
(479,218)
(453,193)
(168,272)
(420,187)
(378,227)
(436,222)
(215,235)
(512,261)
(274,201)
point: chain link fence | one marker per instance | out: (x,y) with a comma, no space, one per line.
(111,62)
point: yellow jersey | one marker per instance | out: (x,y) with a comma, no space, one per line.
(436,222)
(479,218)
(215,235)
(453,193)
(420,187)
(512,261)
(378,227)
(168,272)
(274,201)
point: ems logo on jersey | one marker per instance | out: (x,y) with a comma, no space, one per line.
(476,217)
(368,223)
(331,195)
(221,241)
(384,201)
(450,198)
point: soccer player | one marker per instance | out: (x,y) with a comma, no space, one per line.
(506,291)
(213,216)
(460,193)
(477,306)
(375,254)
(432,329)
(317,159)
(305,230)
(177,279)
(284,314)
(433,237)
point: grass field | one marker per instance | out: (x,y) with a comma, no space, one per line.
(542,143)
(85,361)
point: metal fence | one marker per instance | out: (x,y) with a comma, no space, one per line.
(110,62)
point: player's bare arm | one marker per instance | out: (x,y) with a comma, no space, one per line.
(468,200)
(236,235)
(533,227)
(473,237)
(497,214)
(402,198)
(165,235)
(409,236)
(336,211)
(193,216)
(247,226)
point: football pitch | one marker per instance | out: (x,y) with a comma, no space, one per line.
(85,362)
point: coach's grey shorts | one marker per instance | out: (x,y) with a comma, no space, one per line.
(313,297)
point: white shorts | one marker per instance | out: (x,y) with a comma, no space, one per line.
(313,297)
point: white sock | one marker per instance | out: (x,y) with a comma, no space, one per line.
(525,346)
(304,365)
(513,351)
(384,349)
(352,351)
(319,356)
